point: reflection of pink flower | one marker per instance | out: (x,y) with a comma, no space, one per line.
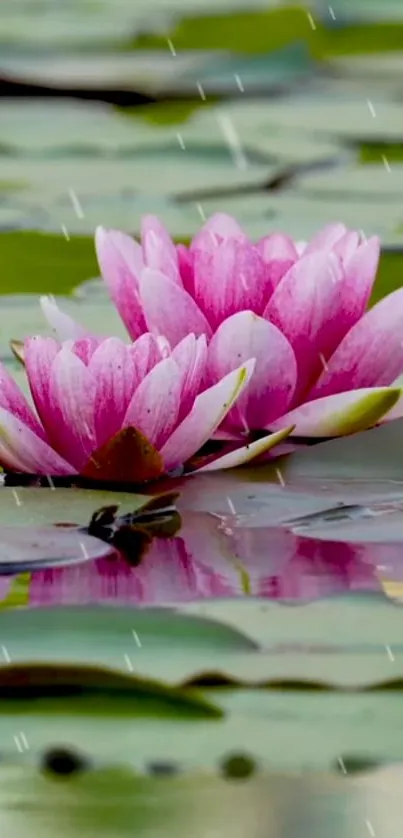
(323,363)
(209,560)
(100,402)
(166,574)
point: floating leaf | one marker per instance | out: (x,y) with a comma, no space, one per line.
(22,683)
(30,548)
(26,506)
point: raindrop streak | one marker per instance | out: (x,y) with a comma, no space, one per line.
(171,46)
(370,828)
(331,13)
(385,162)
(24,740)
(181,141)
(201,212)
(390,653)
(342,766)
(84,550)
(311,20)
(239,83)
(136,638)
(51,483)
(323,361)
(76,204)
(5,654)
(21,742)
(231,506)
(371,108)
(129,663)
(280,477)
(16,498)
(65,233)
(230,134)
(201,91)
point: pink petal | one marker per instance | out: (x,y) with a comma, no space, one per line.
(168,309)
(246,453)
(218,227)
(158,248)
(279,254)
(154,407)
(326,238)
(22,450)
(371,354)
(185,262)
(306,306)
(208,412)
(39,355)
(360,272)
(121,262)
(113,370)
(243,336)
(71,407)
(13,400)
(146,352)
(85,348)
(230,278)
(277,247)
(65,327)
(191,357)
(340,414)
(346,246)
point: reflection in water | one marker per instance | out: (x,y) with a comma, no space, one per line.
(216,557)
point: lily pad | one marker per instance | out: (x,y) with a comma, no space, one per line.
(32,506)
(37,262)
(149,72)
(202,644)
(39,547)
(370,456)
(46,683)
(348,119)
(356,183)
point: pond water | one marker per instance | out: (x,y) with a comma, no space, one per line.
(260,613)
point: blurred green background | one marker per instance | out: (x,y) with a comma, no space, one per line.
(289,116)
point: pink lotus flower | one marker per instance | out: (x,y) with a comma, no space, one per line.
(110,411)
(323,363)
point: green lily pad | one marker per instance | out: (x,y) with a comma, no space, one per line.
(35,262)
(340,118)
(50,686)
(201,643)
(31,506)
(356,183)
(30,548)
(369,456)
(241,31)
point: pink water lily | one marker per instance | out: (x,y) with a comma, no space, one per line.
(323,363)
(113,411)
